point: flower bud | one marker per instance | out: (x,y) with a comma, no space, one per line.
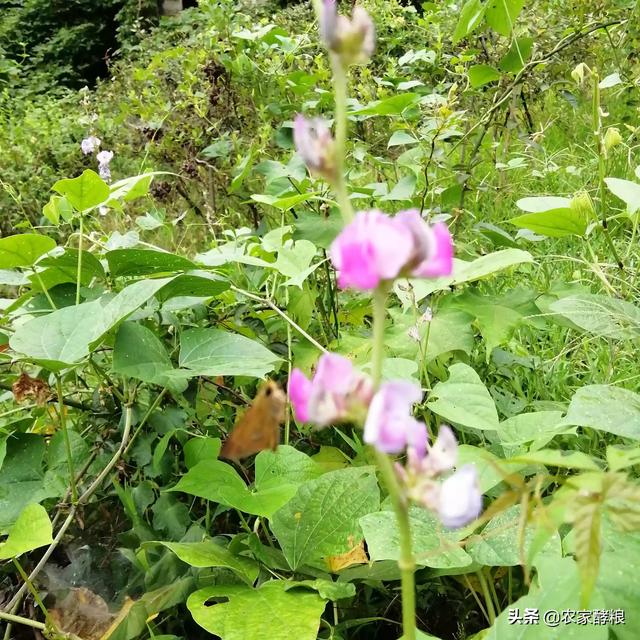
(581,72)
(351,39)
(316,146)
(612,138)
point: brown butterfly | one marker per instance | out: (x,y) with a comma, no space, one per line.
(259,427)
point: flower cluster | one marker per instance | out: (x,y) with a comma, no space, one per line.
(353,39)
(337,392)
(376,247)
(91,144)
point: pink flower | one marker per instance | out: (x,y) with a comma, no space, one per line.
(354,39)
(372,248)
(376,247)
(432,249)
(89,145)
(389,426)
(337,392)
(315,145)
(460,500)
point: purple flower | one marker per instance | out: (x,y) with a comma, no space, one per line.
(104,158)
(371,248)
(432,246)
(315,145)
(389,426)
(352,39)
(337,392)
(460,500)
(89,145)
(376,247)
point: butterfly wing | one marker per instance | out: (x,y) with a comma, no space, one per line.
(259,427)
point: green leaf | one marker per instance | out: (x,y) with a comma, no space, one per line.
(517,56)
(322,519)
(139,354)
(295,262)
(24,249)
(601,315)
(499,543)
(619,458)
(287,202)
(133,187)
(219,482)
(612,80)
(556,221)
(558,589)
(392,106)
(527,427)
(539,204)
(64,337)
(403,190)
(270,611)
(471,16)
(84,192)
(57,207)
(481,74)
(464,400)
(213,352)
(197,284)
(326,588)
(558,458)
(501,15)
(22,477)
(64,268)
(587,538)
(627,191)
(285,465)
(433,546)
(31,530)
(210,554)
(199,449)
(606,408)
(142,262)
(414,290)
(399,138)
(618,583)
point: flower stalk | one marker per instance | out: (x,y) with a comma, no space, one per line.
(406,562)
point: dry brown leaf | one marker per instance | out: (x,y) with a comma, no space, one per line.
(355,555)
(26,387)
(84,615)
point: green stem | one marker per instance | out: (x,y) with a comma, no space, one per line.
(34,591)
(20,620)
(597,133)
(340,92)
(67,441)
(44,290)
(79,274)
(406,563)
(487,596)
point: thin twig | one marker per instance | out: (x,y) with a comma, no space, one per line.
(281,313)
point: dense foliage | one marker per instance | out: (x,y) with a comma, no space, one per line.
(147,294)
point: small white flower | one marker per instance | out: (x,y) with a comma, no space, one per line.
(104,158)
(414,333)
(90,144)
(460,500)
